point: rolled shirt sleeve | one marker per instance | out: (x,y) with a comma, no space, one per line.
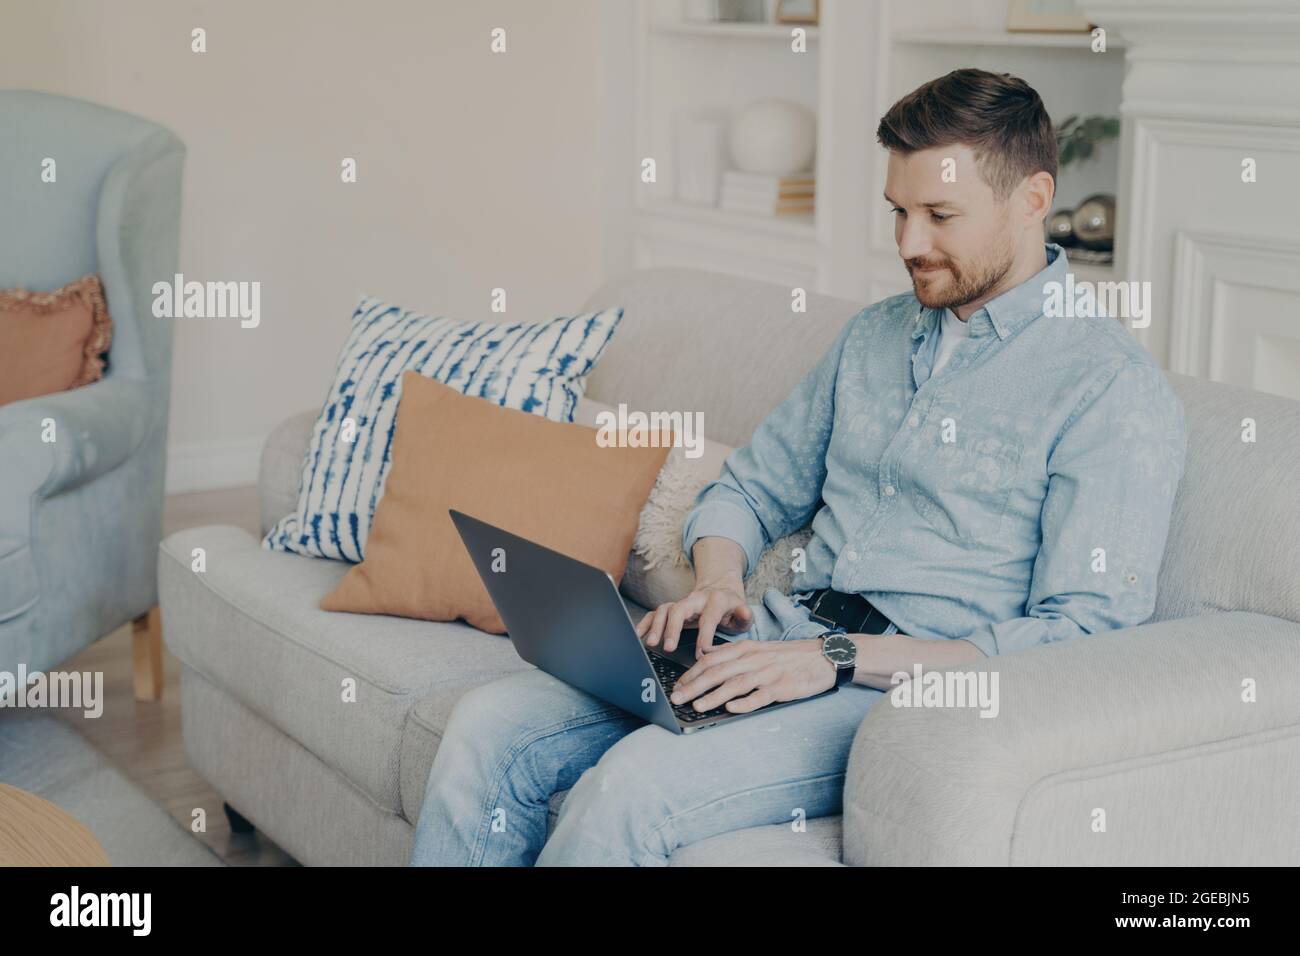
(1112,475)
(772,486)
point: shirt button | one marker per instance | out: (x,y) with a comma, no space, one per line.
(914,421)
(889,490)
(852,555)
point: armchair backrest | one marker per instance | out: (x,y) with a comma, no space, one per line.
(113,208)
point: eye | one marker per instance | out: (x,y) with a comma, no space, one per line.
(940,217)
(897,211)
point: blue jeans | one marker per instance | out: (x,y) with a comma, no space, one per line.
(636,791)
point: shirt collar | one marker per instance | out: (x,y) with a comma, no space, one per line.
(1012,310)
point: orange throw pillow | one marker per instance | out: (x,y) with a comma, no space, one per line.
(52,341)
(547,481)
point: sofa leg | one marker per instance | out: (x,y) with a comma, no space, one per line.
(238,822)
(146,643)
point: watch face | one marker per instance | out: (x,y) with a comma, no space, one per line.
(840,650)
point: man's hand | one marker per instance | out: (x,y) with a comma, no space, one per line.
(747,675)
(708,606)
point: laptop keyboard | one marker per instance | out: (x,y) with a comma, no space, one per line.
(668,671)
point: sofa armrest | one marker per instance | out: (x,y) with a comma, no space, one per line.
(1148,725)
(280,474)
(95,429)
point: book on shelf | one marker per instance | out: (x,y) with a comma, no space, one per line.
(767,188)
(780,208)
(762,195)
(766,179)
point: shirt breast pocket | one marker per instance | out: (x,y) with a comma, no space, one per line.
(962,487)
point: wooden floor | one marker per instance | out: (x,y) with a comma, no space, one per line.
(144,739)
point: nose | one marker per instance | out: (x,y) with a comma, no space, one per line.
(913,238)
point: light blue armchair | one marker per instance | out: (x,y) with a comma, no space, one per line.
(81,517)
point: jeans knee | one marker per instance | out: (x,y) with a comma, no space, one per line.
(618,813)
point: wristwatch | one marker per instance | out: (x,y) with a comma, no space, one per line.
(840,650)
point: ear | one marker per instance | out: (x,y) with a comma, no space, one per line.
(1037,192)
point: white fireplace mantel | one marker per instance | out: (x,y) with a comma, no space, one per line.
(1211,87)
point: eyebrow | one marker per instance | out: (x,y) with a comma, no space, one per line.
(927,205)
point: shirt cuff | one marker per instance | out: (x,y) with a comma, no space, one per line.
(1021,633)
(722,519)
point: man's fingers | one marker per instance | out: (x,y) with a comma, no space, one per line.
(737,686)
(738,618)
(707,624)
(643,625)
(751,702)
(712,670)
(655,631)
(742,617)
(678,614)
(715,611)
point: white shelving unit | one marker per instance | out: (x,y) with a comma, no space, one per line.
(858,61)
(1079,42)
(741,31)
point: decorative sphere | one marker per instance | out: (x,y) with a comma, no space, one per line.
(775,137)
(1060,229)
(1094,222)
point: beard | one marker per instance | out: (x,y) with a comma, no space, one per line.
(954,285)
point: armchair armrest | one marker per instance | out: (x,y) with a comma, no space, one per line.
(95,429)
(280,474)
(1151,725)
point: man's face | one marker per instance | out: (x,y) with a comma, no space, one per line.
(953,234)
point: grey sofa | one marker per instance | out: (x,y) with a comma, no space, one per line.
(1147,723)
(81,517)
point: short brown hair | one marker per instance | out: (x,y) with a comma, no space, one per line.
(1000,117)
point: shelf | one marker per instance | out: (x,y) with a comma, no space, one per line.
(800,227)
(745,31)
(1079,42)
(1093,272)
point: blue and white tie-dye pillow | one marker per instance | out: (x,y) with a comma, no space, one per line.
(539,368)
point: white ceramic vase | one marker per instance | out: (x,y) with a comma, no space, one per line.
(774,137)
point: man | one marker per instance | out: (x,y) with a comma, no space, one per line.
(981,479)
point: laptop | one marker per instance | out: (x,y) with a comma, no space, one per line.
(568,619)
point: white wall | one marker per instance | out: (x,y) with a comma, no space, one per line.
(475,170)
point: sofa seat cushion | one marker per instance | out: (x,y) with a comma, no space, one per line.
(249,623)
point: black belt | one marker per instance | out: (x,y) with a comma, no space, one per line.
(852,612)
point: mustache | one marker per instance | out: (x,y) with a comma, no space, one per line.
(914,264)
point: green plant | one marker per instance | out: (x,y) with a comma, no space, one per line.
(1076,139)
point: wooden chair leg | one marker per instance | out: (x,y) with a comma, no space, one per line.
(146,640)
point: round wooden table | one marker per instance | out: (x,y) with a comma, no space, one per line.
(34,832)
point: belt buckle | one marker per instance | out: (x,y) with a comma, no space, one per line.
(816,605)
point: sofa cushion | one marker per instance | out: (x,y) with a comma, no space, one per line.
(52,341)
(555,483)
(768,348)
(249,623)
(540,369)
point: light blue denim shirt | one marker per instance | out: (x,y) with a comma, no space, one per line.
(1022,495)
